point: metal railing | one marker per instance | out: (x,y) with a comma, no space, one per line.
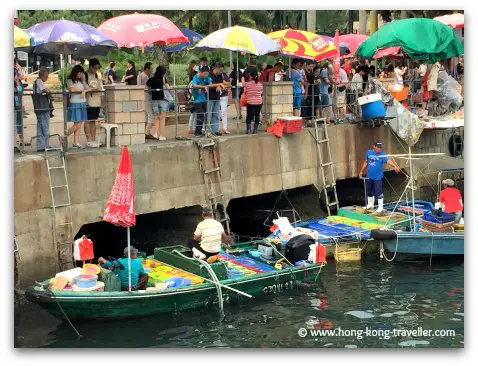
(337,102)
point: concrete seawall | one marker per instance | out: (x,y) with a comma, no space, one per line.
(167,175)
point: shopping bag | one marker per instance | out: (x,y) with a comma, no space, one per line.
(243,100)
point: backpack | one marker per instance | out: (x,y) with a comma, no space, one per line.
(41,103)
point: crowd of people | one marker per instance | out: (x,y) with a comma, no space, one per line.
(317,91)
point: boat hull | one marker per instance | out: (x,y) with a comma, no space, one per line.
(426,244)
(99,305)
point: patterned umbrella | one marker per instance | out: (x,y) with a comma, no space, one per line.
(389,51)
(67,37)
(239,39)
(140,30)
(192,36)
(303,44)
(20,38)
(456,20)
(120,206)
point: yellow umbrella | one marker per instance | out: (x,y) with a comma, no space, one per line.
(20,38)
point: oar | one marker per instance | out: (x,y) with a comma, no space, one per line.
(208,280)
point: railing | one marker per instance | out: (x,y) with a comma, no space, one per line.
(314,101)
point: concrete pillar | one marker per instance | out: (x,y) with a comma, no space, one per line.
(362,21)
(277,100)
(311,20)
(125,107)
(373,21)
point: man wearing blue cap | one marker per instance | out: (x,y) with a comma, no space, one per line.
(374,160)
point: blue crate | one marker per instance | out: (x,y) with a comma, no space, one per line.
(442,218)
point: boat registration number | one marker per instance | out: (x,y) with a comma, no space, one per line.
(279,287)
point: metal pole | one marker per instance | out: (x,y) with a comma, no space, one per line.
(413,185)
(229,21)
(129,258)
(176,107)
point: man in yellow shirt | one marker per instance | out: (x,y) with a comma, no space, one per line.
(208,237)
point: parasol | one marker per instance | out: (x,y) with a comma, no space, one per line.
(192,37)
(140,30)
(120,206)
(388,51)
(421,38)
(353,40)
(20,38)
(456,20)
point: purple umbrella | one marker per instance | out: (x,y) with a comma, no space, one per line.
(67,37)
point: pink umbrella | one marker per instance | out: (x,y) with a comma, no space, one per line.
(120,206)
(140,30)
(337,56)
(353,40)
(456,20)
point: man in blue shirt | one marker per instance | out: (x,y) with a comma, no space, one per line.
(297,81)
(139,277)
(374,160)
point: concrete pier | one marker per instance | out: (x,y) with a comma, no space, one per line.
(167,175)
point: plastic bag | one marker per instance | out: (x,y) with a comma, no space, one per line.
(448,95)
(243,100)
(277,129)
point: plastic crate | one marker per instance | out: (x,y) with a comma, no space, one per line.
(291,124)
(445,227)
(440,218)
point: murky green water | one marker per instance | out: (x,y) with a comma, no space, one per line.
(379,295)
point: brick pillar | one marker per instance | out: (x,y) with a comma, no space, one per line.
(125,107)
(277,100)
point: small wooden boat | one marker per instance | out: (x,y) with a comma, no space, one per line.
(259,278)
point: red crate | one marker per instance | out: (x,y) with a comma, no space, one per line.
(291,124)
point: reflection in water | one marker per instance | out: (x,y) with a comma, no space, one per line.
(378,295)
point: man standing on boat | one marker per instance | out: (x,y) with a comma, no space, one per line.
(207,239)
(374,160)
(451,198)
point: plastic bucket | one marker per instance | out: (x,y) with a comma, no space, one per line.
(86,280)
(372,106)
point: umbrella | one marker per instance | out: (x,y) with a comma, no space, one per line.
(353,40)
(240,39)
(192,36)
(120,206)
(140,30)
(303,44)
(67,37)
(421,38)
(389,51)
(344,48)
(456,20)
(20,38)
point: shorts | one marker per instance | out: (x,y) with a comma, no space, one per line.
(341,100)
(236,93)
(160,106)
(76,112)
(297,100)
(324,100)
(93,113)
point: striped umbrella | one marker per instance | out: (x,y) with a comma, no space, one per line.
(303,44)
(456,20)
(240,39)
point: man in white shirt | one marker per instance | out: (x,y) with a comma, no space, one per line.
(208,237)
(357,80)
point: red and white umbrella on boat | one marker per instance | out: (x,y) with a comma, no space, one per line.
(120,206)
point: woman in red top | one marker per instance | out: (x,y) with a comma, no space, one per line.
(452,199)
(253,90)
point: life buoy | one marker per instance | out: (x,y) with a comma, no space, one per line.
(383,234)
(455,145)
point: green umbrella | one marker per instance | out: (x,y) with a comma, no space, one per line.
(421,38)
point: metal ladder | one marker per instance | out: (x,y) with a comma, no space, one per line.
(63,236)
(215,199)
(326,165)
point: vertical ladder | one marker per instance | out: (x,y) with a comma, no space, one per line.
(326,165)
(61,205)
(214,197)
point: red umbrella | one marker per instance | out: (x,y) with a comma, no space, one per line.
(388,51)
(140,30)
(456,20)
(120,206)
(337,56)
(353,40)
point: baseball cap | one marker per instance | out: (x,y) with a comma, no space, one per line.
(449,182)
(378,144)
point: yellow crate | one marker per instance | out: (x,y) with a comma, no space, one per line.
(347,255)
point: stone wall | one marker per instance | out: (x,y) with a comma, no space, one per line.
(277,100)
(125,107)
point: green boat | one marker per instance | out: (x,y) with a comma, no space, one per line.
(217,287)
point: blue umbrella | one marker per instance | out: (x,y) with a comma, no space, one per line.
(68,37)
(192,36)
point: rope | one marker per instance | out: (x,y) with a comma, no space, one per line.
(382,251)
(431,251)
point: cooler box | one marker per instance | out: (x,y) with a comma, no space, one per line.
(291,124)
(372,106)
